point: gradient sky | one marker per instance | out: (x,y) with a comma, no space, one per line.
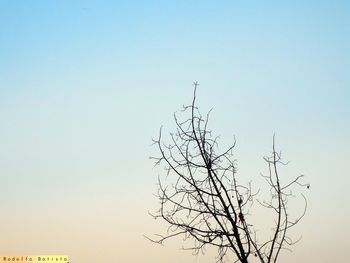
(85,85)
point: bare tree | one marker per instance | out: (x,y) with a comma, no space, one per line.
(202,200)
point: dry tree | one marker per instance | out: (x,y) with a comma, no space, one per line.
(202,200)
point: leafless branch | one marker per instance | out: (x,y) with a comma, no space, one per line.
(202,200)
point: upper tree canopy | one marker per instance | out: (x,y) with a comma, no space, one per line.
(202,199)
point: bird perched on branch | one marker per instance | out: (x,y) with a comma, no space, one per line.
(241,217)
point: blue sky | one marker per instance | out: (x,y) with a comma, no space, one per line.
(85,85)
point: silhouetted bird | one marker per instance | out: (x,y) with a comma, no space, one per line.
(241,217)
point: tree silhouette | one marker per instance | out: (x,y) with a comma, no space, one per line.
(202,200)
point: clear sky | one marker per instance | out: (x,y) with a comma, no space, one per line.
(85,85)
